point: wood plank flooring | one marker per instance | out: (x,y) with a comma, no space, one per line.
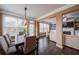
(47,47)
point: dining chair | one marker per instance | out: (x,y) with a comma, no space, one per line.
(9,37)
(9,43)
(5,47)
(29,44)
(1,49)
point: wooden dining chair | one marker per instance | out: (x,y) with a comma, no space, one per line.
(29,44)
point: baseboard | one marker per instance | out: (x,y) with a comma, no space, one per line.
(52,41)
(60,46)
(70,47)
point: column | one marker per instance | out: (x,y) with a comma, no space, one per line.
(37,28)
(59,30)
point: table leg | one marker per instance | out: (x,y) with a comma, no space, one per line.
(37,50)
(17,49)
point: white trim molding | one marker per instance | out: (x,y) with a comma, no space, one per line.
(60,46)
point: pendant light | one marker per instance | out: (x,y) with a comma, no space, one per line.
(26,22)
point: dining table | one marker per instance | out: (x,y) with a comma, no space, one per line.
(19,41)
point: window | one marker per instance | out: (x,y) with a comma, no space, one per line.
(11,24)
(20,25)
(53,26)
(41,27)
(47,27)
(31,28)
(44,27)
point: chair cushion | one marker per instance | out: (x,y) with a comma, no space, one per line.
(11,50)
(13,40)
(11,44)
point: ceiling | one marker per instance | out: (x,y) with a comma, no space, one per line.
(50,20)
(33,10)
(74,14)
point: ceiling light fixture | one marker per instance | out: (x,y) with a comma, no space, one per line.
(26,22)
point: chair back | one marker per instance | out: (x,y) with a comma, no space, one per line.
(9,38)
(6,36)
(6,39)
(29,44)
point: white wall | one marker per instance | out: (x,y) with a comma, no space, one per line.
(70,41)
(52,35)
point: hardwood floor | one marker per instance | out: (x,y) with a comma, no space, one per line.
(47,47)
